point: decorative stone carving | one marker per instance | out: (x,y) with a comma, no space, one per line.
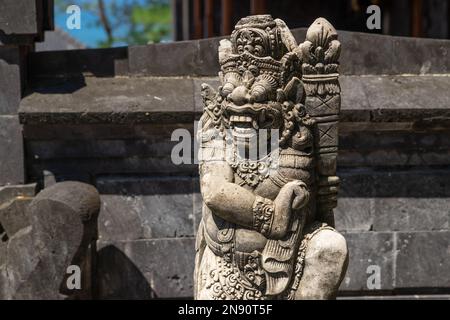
(267,225)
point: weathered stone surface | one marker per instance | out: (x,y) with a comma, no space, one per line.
(251,206)
(168,59)
(10,80)
(402,213)
(393,200)
(63,226)
(197,203)
(107,62)
(365,53)
(393,55)
(156,147)
(369,249)
(145,208)
(151,132)
(26,10)
(356,201)
(412,200)
(420,56)
(145,269)
(198,100)
(423,260)
(14,216)
(9,192)
(171,100)
(103,100)
(11,151)
(401,147)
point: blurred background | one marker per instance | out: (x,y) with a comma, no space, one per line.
(112,23)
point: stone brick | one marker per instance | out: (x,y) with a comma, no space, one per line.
(359,55)
(11,151)
(109,100)
(197,203)
(146,269)
(19,17)
(355,201)
(145,208)
(165,59)
(423,260)
(369,249)
(207,60)
(105,62)
(10,80)
(420,56)
(412,200)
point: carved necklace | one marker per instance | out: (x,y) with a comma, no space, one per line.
(252,172)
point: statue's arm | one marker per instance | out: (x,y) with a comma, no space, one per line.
(226,199)
(238,205)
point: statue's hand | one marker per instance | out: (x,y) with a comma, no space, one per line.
(293,195)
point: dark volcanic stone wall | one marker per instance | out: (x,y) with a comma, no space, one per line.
(106,117)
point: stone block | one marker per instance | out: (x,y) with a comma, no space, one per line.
(355,201)
(369,250)
(365,53)
(106,100)
(197,203)
(14,215)
(165,59)
(403,213)
(63,225)
(19,17)
(423,260)
(10,80)
(146,269)
(412,200)
(145,208)
(207,60)
(11,151)
(105,62)
(420,56)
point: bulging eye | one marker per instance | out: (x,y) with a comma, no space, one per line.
(248,48)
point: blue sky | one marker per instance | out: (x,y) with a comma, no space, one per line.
(89,34)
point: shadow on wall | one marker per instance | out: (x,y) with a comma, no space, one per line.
(119,278)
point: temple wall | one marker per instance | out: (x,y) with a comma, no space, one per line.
(106,116)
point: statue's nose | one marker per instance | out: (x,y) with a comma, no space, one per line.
(239,96)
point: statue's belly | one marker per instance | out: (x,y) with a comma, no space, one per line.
(246,240)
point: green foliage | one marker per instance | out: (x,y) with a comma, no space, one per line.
(130,21)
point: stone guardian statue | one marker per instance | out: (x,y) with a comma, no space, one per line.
(268,147)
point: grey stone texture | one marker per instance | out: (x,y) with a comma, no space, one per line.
(145,208)
(142,269)
(423,260)
(62,231)
(407,261)
(11,79)
(420,100)
(11,151)
(26,10)
(369,249)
